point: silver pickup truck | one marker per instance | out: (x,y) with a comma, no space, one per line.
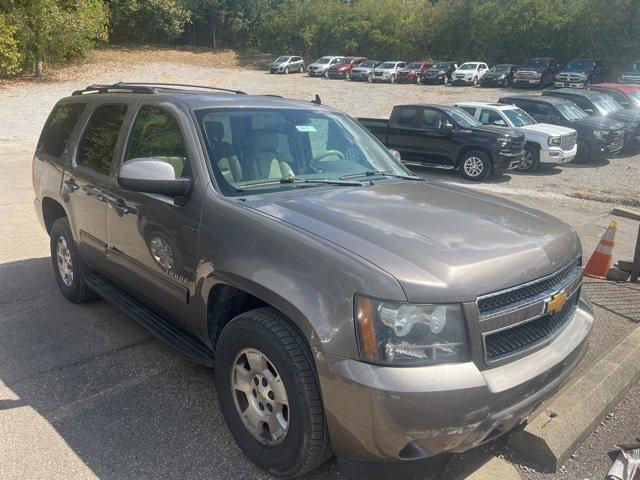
(347,305)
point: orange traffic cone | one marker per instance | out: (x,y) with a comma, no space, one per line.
(602,259)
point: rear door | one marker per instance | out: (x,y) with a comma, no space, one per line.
(152,239)
(402,133)
(86,182)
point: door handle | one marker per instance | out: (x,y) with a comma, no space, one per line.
(71,185)
(121,207)
(94,192)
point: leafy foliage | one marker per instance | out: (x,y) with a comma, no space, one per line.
(10,56)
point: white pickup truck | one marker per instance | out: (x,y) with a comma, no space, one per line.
(546,143)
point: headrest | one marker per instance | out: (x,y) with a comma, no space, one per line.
(264,140)
(215,131)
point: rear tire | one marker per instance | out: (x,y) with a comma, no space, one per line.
(275,346)
(531,160)
(475,165)
(68,267)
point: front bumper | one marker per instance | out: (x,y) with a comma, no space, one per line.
(503,162)
(276,69)
(335,74)
(386,414)
(557,156)
(492,82)
(385,77)
(570,84)
(527,82)
(611,147)
(315,73)
(433,80)
(461,81)
(406,78)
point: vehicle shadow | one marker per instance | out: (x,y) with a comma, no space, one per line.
(593,163)
(542,171)
(120,403)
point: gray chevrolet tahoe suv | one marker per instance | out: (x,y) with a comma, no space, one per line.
(347,305)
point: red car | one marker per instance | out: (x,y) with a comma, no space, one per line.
(342,68)
(625,94)
(411,72)
(536,72)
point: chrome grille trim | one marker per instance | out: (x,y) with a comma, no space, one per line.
(567,142)
(496,303)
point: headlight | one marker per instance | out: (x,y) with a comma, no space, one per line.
(554,141)
(403,334)
(503,141)
(600,134)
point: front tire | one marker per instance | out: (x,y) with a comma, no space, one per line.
(475,81)
(286,70)
(370,78)
(531,159)
(583,155)
(475,165)
(279,421)
(393,79)
(68,266)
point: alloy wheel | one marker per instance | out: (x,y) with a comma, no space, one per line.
(473,166)
(527,161)
(260,397)
(65,264)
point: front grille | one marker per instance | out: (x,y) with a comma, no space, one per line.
(567,142)
(499,300)
(514,340)
(378,74)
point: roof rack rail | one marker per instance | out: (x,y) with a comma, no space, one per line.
(147,87)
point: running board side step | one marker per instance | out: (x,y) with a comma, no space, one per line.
(183,343)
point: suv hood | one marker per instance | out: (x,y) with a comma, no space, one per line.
(536,69)
(626,116)
(586,71)
(599,122)
(548,129)
(442,243)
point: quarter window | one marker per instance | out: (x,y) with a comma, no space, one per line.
(59,126)
(99,140)
(157,134)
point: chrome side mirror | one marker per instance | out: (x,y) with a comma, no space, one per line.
(152,175)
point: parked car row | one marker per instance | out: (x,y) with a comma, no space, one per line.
(520,132)
(539,72)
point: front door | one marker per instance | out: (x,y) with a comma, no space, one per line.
(152,239)
(87,180)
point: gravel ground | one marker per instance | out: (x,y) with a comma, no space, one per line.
(25,106)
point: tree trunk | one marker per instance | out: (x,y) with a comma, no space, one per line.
(39,66)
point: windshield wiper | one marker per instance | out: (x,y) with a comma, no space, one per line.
(384,173)
(286,180)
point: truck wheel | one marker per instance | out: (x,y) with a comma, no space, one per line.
(419,80)
(475,81)
(583,155)
(286,70)
(269,393)
(531,159)
(370,78)
(446,80)
(68,266)
(393,78)
(475,165)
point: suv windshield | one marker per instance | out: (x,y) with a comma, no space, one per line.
(518,117)
(255,151)
(605,104)
(387,66)
(343,61)
(499,68)
(571,111)
(533,63)
(468,66)
(581,65)
(323,60)
(282,59)
(462,118)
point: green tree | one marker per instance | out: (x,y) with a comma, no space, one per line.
(10,56)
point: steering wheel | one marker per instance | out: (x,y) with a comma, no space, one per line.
(313,164)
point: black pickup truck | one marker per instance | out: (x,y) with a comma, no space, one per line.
(433,135)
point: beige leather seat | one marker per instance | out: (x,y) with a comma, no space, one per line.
(224,153)
(264,158)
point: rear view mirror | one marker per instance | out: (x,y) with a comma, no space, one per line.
(152,175)
(396,154)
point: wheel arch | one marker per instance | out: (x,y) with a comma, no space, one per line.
(51,211)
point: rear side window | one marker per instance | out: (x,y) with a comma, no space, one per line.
(101,136)
(157,134)
(58,129)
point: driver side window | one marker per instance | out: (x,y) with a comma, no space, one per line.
(433,120)
(489,117)
(156,134)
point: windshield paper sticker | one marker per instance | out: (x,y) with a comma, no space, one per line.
(306,128)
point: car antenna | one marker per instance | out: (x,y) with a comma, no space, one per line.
(317,100)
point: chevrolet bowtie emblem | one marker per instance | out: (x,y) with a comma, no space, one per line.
(556,302)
